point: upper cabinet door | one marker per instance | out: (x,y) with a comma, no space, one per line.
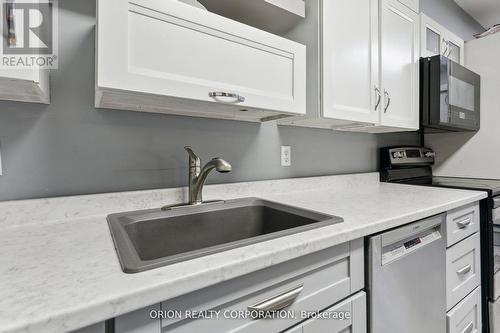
(170,56)
(433,42)
(399,65)
(436,39)
(455,48)
(350,60)
(412,4)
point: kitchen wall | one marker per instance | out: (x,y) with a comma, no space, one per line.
(452,17)
(69,147)
(475,154)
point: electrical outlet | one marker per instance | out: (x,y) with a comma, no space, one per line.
(286,156)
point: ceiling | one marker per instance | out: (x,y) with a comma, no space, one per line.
(486,12)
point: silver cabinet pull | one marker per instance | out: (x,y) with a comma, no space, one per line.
(469,328)
(377,91)
(388,99)
(464,223)
(464,270)
(216,94)
(445,42)
(279,302)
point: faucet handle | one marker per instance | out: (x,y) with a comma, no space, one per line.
(194,160)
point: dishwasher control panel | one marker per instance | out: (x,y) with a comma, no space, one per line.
(406,246)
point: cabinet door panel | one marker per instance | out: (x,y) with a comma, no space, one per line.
(172,50)
(350,61)
(399,65)
(355,306)
(139,321)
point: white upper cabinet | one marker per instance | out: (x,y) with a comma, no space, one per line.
(28,84)
(436,39)
(25,85)
(361,77)
(350,60)
(412,4)
(169,57)
(399,66)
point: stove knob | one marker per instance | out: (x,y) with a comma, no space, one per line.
(430,154)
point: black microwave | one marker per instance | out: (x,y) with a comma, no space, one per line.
(449,96)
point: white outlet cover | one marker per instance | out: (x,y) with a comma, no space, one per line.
(286,156)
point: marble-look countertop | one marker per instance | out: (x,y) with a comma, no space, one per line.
(59,270)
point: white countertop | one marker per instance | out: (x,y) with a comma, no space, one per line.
(59,270)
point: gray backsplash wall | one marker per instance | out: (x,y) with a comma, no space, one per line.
(69,147)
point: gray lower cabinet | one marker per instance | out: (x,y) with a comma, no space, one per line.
(97,328)
(348,317)
(302,287)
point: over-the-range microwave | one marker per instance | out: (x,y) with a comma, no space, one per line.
(449,96)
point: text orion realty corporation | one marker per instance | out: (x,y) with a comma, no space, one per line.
(29,34)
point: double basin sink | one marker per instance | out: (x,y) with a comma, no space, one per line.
(149,239)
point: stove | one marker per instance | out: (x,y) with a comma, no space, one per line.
(413,166)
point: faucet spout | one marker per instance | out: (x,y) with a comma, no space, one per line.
(198,175)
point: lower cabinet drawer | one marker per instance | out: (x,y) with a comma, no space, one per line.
(465,317)
(346,317)
(281,294)
(461,223)
(463,269)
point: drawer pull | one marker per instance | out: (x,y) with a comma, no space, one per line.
(469,328)
(465,270)
(464,223)
(279,302)
(216,94)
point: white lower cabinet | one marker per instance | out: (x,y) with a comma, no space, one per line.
(354,308)
(465,317)
(298,288)
(463,269)
(166,56)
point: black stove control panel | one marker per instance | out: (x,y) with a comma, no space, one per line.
(394,157)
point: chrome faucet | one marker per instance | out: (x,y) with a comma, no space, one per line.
(198,175)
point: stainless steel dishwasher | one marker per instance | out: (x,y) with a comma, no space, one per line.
(407,278)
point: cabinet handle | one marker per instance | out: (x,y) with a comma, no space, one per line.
(388,99)
(464,223)
(445,42)
(279,302)
(464,270)
(377,91)
(216,94)
(469,328)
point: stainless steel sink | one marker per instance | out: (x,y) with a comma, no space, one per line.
(153,238)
